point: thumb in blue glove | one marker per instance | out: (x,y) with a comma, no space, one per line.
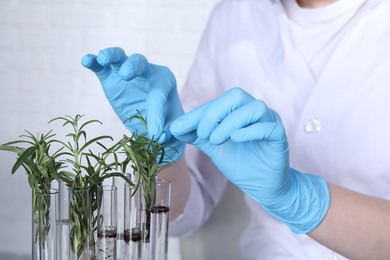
(131,84)
(247,142)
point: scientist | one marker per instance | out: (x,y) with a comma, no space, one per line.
(323,65)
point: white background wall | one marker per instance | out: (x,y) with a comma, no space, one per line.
(41,44)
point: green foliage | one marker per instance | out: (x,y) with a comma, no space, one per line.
(81,168)
(146,156)
(89,170)
(40,166)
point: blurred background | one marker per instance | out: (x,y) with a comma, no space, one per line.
(41,44)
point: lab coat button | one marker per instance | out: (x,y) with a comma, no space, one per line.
(313,126)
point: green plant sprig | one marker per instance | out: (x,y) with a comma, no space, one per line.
(89,170)
(147,158)
(39,165)
(76,147)
(41,168)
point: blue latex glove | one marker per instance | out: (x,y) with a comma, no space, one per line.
(247,142)
(131,84)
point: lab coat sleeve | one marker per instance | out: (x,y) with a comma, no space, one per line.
(207,183)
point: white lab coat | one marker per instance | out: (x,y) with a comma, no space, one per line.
(338,126)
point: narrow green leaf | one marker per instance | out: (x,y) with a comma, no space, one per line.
(13,149)
(94,140)
(22,158)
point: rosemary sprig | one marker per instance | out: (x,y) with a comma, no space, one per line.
(147,158)
(41,167)
(77,164)
(89,170)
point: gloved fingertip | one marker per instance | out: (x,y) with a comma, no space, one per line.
(138,64)
(86,60)
(154,131)
(89,62)
(176,127)
(102,58)
(126,71)
(237,137)
(165,137)
(216,140)
(185,137)
(140,60)
(202,134)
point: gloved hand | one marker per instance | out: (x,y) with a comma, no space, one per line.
(131,84)
(247,142)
